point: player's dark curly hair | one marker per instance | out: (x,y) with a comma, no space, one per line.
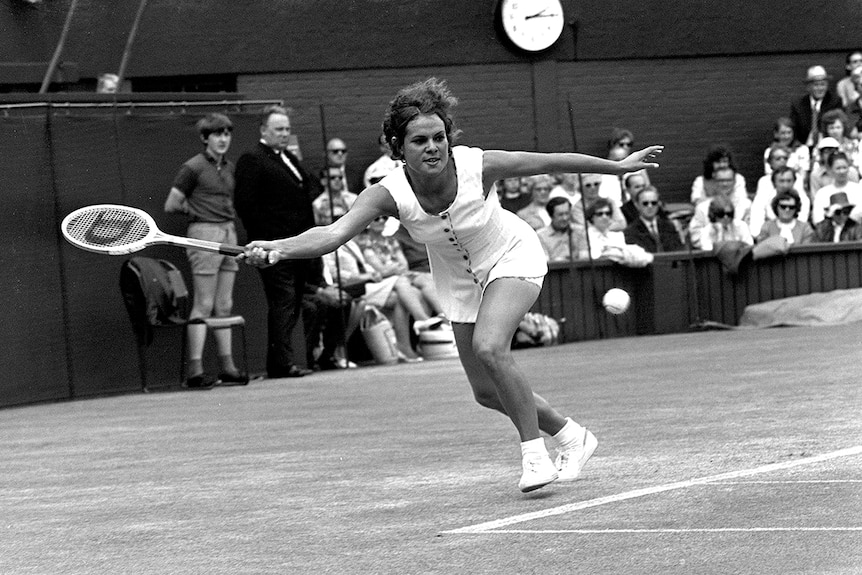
(429,96)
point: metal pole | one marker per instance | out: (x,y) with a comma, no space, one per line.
(58,51)
(127,52)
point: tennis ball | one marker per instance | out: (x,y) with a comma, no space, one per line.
(616,301)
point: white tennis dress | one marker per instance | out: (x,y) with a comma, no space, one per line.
(471,243)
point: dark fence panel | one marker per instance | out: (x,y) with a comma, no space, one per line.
(31,323)
(682,291)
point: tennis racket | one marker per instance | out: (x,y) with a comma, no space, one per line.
(119,230)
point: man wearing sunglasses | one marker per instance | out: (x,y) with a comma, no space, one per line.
(838,227)
(336,156)
(332,182)
(650,230)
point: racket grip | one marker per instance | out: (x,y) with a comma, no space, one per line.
(230,250)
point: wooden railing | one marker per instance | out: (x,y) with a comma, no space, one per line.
(681,290)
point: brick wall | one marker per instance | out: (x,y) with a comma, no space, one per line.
(684,103)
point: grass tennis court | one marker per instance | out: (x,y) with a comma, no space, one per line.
(719,452)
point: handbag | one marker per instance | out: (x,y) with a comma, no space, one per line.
(379,335)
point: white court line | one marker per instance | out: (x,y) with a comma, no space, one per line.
(492,526)
(677,531)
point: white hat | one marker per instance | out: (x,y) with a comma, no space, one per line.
(816,73)
(828,142)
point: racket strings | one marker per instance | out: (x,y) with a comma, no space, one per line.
(108,227)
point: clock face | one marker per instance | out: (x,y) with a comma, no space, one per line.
(532,25)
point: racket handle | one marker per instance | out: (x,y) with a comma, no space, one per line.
(230,250)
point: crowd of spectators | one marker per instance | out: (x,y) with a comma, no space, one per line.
(809,190)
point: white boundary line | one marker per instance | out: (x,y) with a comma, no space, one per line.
(677,531)
(492,526)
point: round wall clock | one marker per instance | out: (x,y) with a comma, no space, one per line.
(531,25)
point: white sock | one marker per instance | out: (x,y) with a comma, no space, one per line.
(534,447)
(570,434)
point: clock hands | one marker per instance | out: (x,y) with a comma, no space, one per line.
(541,15)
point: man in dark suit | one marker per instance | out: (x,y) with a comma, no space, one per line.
(273,198)
(652,232)
(807,110)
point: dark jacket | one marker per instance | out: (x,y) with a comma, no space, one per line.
(800,112)
(270,201)
(823,232)
(637,233)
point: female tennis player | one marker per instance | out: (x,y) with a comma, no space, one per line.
(487,264)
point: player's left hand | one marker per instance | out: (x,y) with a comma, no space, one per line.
(641,159)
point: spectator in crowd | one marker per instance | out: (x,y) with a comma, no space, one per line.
(788,224)
(613,187)
(821,175)
(536,214)
(591,191)
(722,226)
(724,182)
(706,186)
(623,138)
(514,194)
(651,230)
(836,124)
(108,83)
(845,88)
(837,225)
(332,182)
(839,172)
(560,240)
(203,190)
(800,155)
(608,244)
(566,186)
(633,184)
(273,199)
(599,216)
(806,110)
(384,255)
(329,317)
(854,110)
(350,270)
(382,166)
(336,156)
(782,179)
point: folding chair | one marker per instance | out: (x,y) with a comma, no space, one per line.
(156,297)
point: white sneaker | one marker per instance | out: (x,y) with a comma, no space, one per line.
(571,461)
(539,470)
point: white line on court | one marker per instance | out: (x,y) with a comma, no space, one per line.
(493,526)
(676,531)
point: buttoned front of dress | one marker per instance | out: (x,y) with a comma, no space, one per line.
(473,241)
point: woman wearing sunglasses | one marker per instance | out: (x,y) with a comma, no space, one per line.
(786,206)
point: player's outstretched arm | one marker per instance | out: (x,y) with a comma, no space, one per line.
(371,203)
(501,164)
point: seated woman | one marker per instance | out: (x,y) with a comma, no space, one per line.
(836,124)
(786,206)
(704,187)
(352,273)
(604,243)
(799,158)
(385,256)
(535,213)
(723,226)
